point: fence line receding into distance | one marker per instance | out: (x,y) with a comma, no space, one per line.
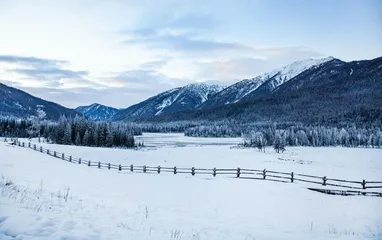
(244,173)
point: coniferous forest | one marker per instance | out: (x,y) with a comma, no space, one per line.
(84,132)
(261,135)
(71,131)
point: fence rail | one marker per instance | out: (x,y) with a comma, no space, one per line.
(246,173)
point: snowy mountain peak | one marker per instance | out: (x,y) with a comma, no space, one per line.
(97,111)
(266,82)
(295,68)
(205,91)
(178,99)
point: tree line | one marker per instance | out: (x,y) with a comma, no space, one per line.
(84,132)
(72,131)
(289,134)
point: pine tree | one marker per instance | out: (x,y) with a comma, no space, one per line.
(109,138)
(78,139)
(67,139)
(279,143)
(85,139)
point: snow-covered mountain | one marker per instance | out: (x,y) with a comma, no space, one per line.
(17,103)
(97,111)
(263,84)
(175,100)
(334,92)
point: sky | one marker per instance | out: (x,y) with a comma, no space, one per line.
(120,52)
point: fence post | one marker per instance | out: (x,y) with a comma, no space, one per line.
(144,168)
(89,163)
(324,181)
(54,153)
(70,158)
(264,174)
(34,147)
(363,184)
(174,170)
(63,157)
(109,166)
(40,149)
(99,164)
(238,172)
(214,172)
(79,161)
(120,167)
(193,171)
(292,177)
(47,151)
(158,169)
(131,168)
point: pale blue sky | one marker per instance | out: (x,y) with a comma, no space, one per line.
(119,52)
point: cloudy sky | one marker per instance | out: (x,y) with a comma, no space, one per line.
(119,52)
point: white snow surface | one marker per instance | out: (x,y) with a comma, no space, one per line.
(106,204)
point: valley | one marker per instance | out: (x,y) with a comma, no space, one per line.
(58,199)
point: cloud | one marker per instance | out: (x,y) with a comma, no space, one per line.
(48,79)
(50,73)
(241,68)
(119,97)
(181,34)
(184,44)
(186,22)
(143,80)
(154,65)
(44,72)
(31,61)
(232,69)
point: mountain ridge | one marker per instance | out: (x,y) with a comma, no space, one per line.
(97,111)
(267,82)
(17,103)
(334,92)
(174,100)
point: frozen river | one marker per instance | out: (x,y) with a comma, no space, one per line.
(179,140)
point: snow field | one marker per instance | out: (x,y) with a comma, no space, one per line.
(47,198)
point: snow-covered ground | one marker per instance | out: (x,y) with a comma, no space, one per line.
(42,197)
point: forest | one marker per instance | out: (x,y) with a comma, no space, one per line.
(72,131)
(84,132)
(292,134)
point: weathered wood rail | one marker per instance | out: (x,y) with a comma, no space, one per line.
(244,173)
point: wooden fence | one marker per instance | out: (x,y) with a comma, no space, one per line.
(244,173)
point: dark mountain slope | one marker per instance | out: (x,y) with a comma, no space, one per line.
(14,102)
(175,100)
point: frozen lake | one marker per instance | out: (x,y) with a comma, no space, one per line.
(179,140)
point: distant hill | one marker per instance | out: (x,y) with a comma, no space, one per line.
(97,111)
(14,102)
(178,99)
